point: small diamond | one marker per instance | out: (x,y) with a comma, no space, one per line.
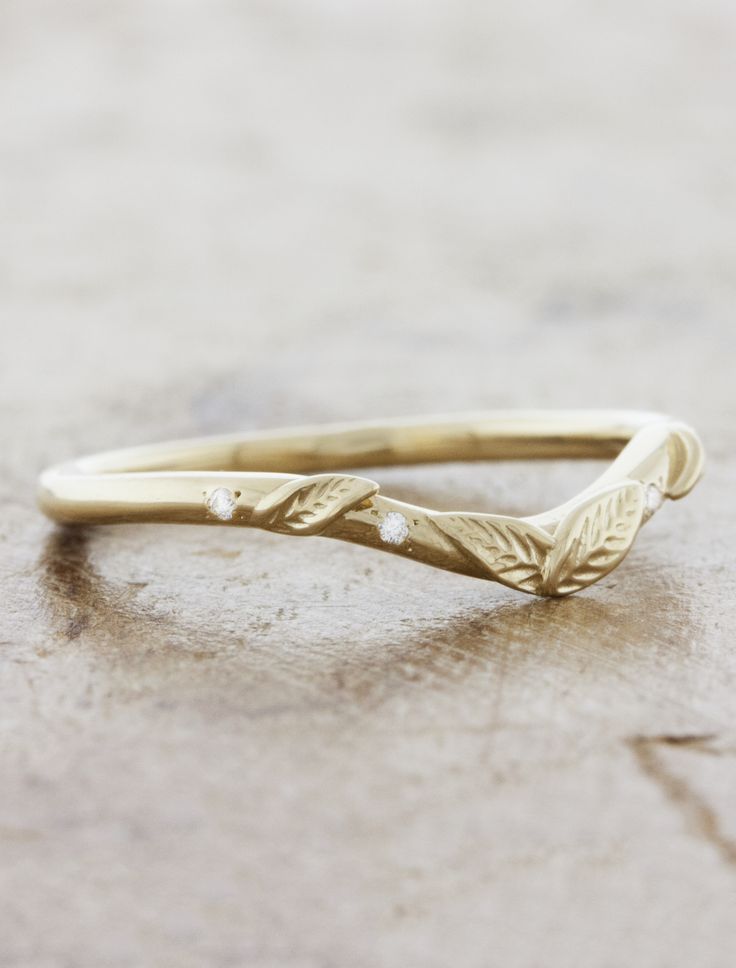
(394,529)
(653,498)
(222,503)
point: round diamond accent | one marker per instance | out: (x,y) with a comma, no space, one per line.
(394,529)
(653,499)
(222,503)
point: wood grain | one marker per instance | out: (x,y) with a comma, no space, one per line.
(223,748)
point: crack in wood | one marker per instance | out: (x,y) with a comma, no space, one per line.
(700,816)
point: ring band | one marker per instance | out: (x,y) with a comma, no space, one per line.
(297,489)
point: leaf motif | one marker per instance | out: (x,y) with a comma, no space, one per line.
(512,551)
(594,538)
(308,504)
(685,460)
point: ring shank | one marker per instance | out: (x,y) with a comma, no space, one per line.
(170,482)
(523,435)
(301,482)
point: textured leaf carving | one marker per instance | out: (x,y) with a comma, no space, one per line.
(588,543)
(307,505)
(512,551)
(593,538)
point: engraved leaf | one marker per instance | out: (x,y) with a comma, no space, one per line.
(307,505)
(512,551)
(594,538)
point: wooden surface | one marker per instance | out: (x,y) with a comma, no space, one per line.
(237,749)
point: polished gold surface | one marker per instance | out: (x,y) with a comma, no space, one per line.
(554,552)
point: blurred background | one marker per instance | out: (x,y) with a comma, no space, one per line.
(245,214)
(433,204)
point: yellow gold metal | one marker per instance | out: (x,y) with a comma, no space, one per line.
(287,481)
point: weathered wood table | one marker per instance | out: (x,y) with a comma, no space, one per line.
(229,748)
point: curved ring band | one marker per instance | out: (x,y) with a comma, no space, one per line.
(298,490)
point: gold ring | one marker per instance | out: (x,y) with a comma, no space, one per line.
(296,489)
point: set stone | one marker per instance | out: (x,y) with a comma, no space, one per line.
(222,503)
(394,529)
